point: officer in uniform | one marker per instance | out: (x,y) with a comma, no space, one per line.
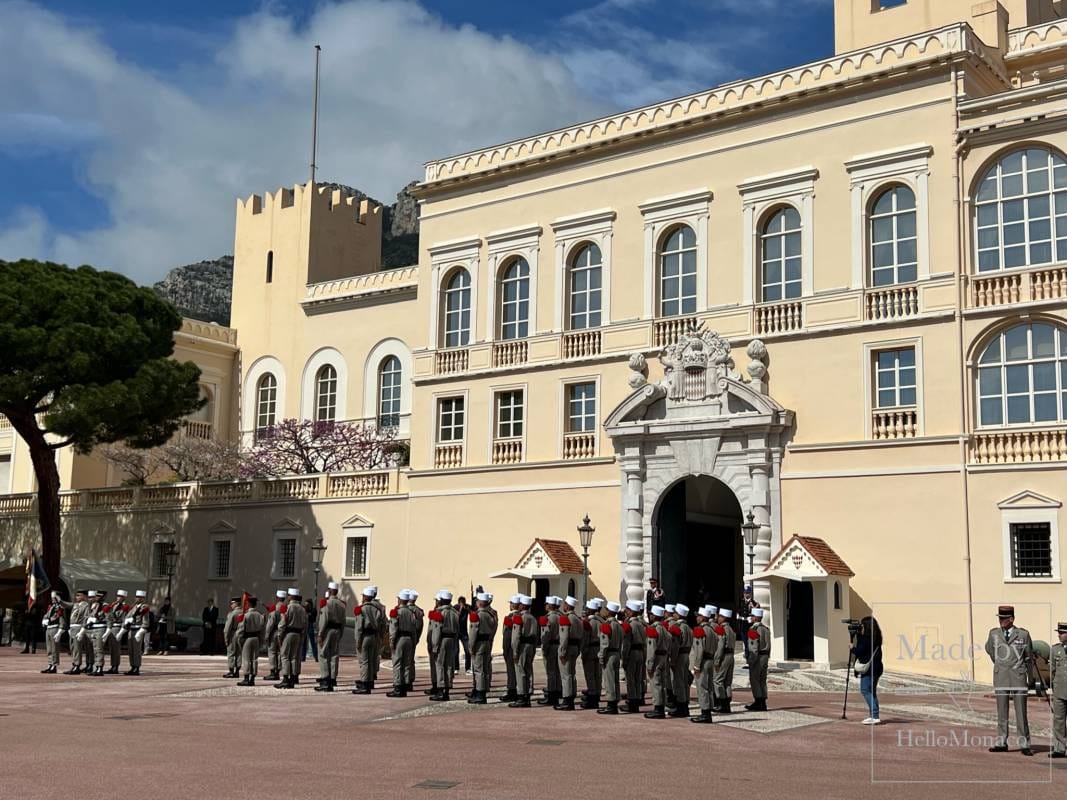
(656,649)
(570,646)
(633,655)
(610,655)
(116,614)
(525,633)
(270,633)
(330,624)
(1012,653)
(370,622)
(550,651)
(444,643)
(1058,665)
(96,625)
(229,636)
(137,624)
(292,628)
(54,622)
(481,632)
(724,666)
(80,648)
(706,645)
(402,637)
(758,655)
(510,695)
(680,674)
(591,654)
(250,627)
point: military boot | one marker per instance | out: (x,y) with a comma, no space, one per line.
(397,692)
(47,670)
(704,718)
(508,697)
(591,701)
(611,708)
(724,707)
(246,681)
(113,671)
(432,690)
(440,696)
(479,698)
(325,685)
(565,704)
(655,713)
(273,675)
(522,701)
(133,671)
(285,683)
(681,711)
(361,688)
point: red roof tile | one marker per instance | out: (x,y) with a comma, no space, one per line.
(561,553)
(821,552)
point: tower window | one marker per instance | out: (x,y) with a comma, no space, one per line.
(270,266)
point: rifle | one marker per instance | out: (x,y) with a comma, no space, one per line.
(1034,674)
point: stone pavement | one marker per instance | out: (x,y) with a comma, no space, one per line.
(181,731)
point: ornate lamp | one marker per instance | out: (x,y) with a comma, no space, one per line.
(750,531)
(318,550)
(585,536)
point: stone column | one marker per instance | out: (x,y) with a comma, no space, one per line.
(761,512)
(633,473)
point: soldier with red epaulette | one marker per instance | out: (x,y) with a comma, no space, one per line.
(680,676)
(656,651)
(292,628)
(137,624)
(724,663)
(54,622)
(370,625)
(114,635)
(330,624)
(549,623)
(525,634)
(610,655)
(444,642)
(250,626)
(402,638)
(481,632)
(509,653)
(274,645)
(706,646)
(633,655)
(96,625)
(229,637)
(758,654)
(591,654)
(570,646)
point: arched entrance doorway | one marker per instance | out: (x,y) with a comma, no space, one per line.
(697,546)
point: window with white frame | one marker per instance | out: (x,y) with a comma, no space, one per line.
(581,407)
(1031,550)
(390,374)
(894,372)
(326,394)
(284,556)
(1022,376)
(457,308)
(159,559)
(451,419)
(510,413)
(5,473)
(515,299)
(678,273)
(1020,211)
(585,286)
(266,404)
(894,256)
(221,548)
(356,548)
(781,272)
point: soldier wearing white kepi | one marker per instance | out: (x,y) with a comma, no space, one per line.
(330,624)
(481,632)
(633,656)
(370,624)
(570,646)
(610,655)
(420,624)
(680,667)
(1058,666)
(1012,653)
(137,624)
(292,628)
(510,694)
(758,655)
(116,614)
(80,648)
(96,625)
(274,644)
(657,647)
(724,665)
(525,635)
(402,637)
(229,636)
(549,623)
(250,626)
(54,623)
(591,654)
(444,642)
(705,650)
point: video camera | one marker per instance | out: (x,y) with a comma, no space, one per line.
(854,627)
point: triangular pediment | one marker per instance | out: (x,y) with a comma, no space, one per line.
(1028,499)
(796,558)
(537,559)
(357,521)
(287,524)
(222,527)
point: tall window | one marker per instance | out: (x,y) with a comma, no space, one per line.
(266,404)
(895,378)
(894,254)
(5,473)
(581,407)
(450,419)
(220,558)
(678,273)
(585,279)
(509,414)
(285,557)
(1031,550)
(159,559)
(1022,376)
(270,266)
(356,556)
(389,377)
(515,300)
(780,255)
(1021,211)
(458,309)
(326,394)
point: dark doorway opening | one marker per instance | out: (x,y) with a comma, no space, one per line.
(799,621)
(698,554)
(540,593)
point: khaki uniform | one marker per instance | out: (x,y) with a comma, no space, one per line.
(329,625)
(1012,656)
(657,648)
(571,635)
(758,648)
(274,645)
(54,623)
(633,660)
(250,627)
(509,654)
(229,636)
(681,675)
(96,627)
(481,632)
(706,650)
(402,629)
(137,624)
(724,666)
(292,628)
(81,648)
(444,641)
(370,624)
(610,657)
(524,637)
(550,655)
(1058,666)
(591,656)
(420,623)
(115,633)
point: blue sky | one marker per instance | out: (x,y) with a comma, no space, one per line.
(127,129)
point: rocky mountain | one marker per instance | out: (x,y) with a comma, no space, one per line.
(203,290)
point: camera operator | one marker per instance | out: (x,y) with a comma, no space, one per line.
(867,665)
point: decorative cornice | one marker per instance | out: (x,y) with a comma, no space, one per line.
(454,246)
(803,177)
(363,287)
(885,158)
(510,236)
(1025,41)
(696,197)
(604,216)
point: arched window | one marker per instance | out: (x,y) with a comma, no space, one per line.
(515,300)
(894,254)
(1022,376)
(270,266)
(266,404)
(389,377)
(458,309)
(585,277)
(678,273)
(326,394)
(837,595)
(1021,211)
(780,256)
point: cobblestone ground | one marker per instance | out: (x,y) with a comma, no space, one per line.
(182,731)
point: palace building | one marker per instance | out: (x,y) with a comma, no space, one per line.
(825,307)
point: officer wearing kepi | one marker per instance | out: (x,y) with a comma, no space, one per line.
(481,632)
(444,642)
(274,644)
(570,645)
(610,655)
(1012,651)
(1058,665)
(96,625)
(370,621)
(724,665)
(402,638)
(657,647)
(591,654)
(758,656)
(330,625)
(80,648)
(250,626)
(633,658)
(510,695)
(525,634)
(550,651)
(681,677)
(292,628)
(229,636)
(706,645)
(54,622)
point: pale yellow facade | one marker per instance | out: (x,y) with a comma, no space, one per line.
(939,509)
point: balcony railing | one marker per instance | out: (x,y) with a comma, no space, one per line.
(5,423)
(894,423)
(449,361)
(448,456)
(507,451)
(197,429)
(510,353)
(581,344)
(577,446)
(1017,286)
(667,331)
(892,302)
(779,318)
(1018,447)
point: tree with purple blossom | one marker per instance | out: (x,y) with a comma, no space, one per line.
(303,447)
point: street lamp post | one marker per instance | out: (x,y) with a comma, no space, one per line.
(585,536)
(318,550)
(750,530)
(170,553)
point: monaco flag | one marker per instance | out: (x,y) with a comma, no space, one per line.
(36,579)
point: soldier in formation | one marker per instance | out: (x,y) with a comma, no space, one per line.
(292,628)
(96,626)
(590,653)
(724,665)
(610,655)
(229,636)
(525,634)
(370,627)
(270,633)
(707,645)
(481,632)
(115,614)
(250,626)
(444,643)
(137,624)
(570,647)
(402,631)
(633,655)
(1058,668)
(54,623)
(510,694)
(330,624)
(757,655)
(550,651)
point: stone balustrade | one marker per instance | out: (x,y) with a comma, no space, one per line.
(581,344)
(197,429)
(892,302)
(667,331)
(1018,446)
(449,361)
(510,353)
(507,451)
(894,423)
(448,456)
(779,318)
(1017,286)
(577,446)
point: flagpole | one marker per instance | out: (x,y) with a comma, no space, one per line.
(315,117)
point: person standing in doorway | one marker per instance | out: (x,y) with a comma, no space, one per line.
(655,596)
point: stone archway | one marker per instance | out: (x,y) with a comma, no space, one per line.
(702,418)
